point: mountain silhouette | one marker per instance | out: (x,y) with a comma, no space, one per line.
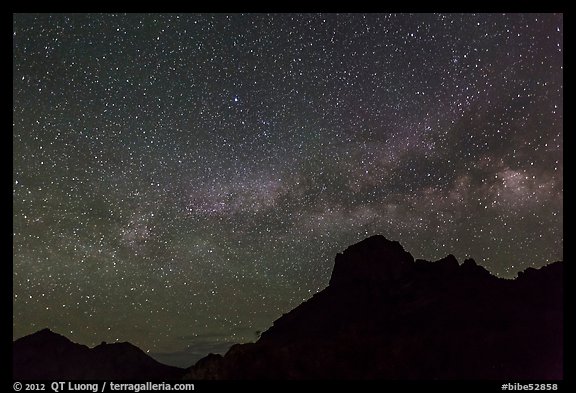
(385,315)
(51,356)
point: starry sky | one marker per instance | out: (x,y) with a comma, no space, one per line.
(181,180)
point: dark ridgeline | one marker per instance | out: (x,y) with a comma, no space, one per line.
(50,356)
(386,316)
(383,316)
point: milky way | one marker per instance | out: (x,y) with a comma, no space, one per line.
(183,180)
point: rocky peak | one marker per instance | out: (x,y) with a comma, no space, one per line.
(373,260)
(386,316)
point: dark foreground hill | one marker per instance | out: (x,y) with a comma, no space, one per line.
(386,316)
(50,356)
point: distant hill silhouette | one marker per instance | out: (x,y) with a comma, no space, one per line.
(48,355)
(386,316)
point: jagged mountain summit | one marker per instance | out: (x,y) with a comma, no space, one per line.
(385,315)
(46,355)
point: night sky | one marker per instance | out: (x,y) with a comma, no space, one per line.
(180,181)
